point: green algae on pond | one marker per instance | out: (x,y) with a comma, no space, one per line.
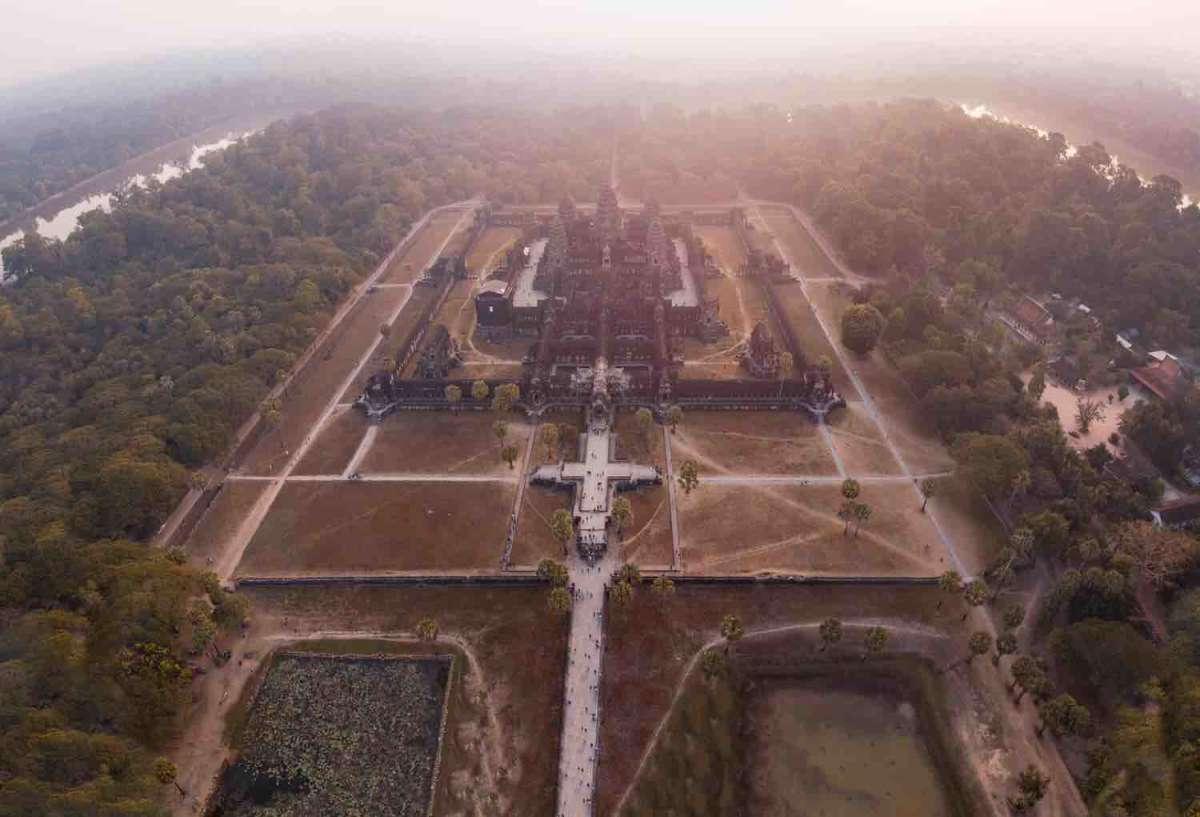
(826,752)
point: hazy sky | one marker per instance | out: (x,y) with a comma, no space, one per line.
(46,37)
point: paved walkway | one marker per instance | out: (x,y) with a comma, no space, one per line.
(580,737)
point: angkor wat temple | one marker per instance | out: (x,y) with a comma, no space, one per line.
(606,299)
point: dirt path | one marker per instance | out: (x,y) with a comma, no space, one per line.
(868,403)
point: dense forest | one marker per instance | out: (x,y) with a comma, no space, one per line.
(128,356)
(916,187)
(948,215)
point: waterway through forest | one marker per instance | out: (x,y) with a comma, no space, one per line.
(58,216)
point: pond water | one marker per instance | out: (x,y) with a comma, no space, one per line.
(60,221)
(825,752)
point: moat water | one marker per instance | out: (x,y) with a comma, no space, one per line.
(57,217)
(826,752)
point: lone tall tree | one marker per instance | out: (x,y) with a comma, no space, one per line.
(731,629)
(509,454)
(850,488)
(862,324)
(480,391)
(453,395)
(929,489)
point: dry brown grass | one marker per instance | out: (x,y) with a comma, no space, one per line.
(335,445)
(367,527)
(444,442)
(633,445)
(860,443)
(809,334)
(730,529)
(220,522)
(647,539)
(752,442)
(724,245)
(810,260)
(417,258)
(534,541)
(490,248)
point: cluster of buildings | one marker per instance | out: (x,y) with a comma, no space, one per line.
(606,298)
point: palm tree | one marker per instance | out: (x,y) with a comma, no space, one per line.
(1013,615)
(562,526)
(621,593)
(622,513)
(553,572)
(629,572)
(509,454)
(559,600)
(479,391)
(165,772)
(831,632)
(712,662)
(689,476)
(663,587)
(850,488)
(1006,644)
(929,488)
(949,583)
(645,421)
(862,512)
(978,644)
(674,417)
(427,629)
(786,363)
(876,639)
(975,593)
(453,395)
(731,629)
(500,429)
(846,513)
(550,440)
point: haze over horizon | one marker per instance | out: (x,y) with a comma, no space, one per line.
(721,36)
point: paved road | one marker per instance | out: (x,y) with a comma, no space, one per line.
(580,738)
